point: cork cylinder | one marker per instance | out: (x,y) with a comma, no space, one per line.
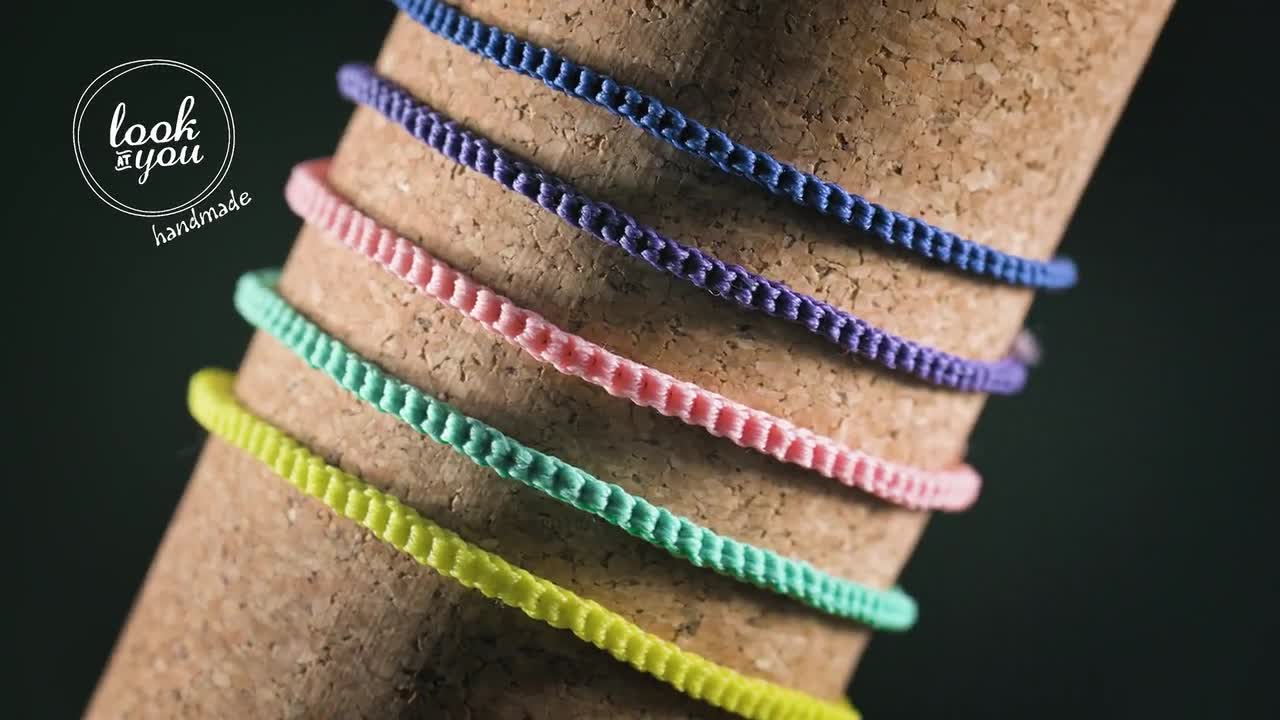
(983,117)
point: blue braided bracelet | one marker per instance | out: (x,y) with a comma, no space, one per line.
(361,84)
(714,146)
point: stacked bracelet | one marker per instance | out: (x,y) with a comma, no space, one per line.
(214,407)
(310,196)
(488,447)
(212,403)
(669,125)
(694,267)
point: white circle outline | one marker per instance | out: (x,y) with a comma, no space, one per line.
(83,104)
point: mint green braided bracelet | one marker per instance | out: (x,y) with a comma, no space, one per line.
(257,300)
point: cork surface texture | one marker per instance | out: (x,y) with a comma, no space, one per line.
(984,118)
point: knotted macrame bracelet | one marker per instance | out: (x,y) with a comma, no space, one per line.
(717,148)
(733,283)
(212,404)
(488,447)
(310,196)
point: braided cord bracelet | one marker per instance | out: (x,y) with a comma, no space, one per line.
(310,196)
(734,283)
(488,447)
(717,148)
(212,405)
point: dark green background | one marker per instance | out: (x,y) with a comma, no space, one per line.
(1118,565)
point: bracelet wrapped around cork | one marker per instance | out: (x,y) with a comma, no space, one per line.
(262,601)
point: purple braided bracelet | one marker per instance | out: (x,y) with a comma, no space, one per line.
(360,83)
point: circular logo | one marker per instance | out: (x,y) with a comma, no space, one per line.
(153,137)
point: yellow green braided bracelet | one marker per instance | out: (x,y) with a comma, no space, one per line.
(213,406)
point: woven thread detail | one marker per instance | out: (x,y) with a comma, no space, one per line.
(309,195)
(213,406)
(671,126)
(488,447)
(726,281)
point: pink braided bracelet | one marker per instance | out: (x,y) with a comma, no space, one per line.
(310,196)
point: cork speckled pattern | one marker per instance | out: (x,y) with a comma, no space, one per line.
(984,118)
